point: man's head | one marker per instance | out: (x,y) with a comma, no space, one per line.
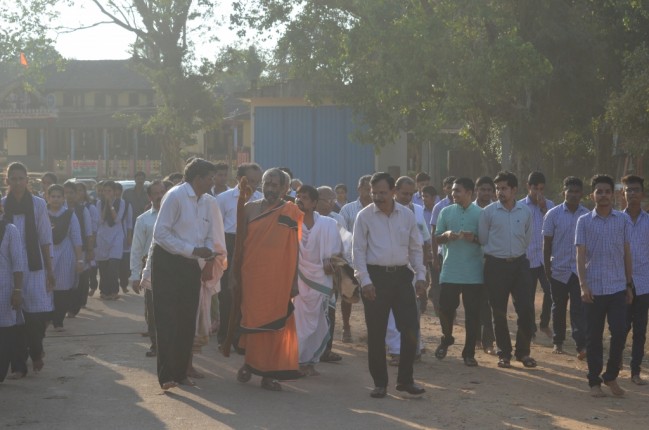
(602,187)
(404,190)
(506,187)
(221,176)
(252,172)
(272,183)
(48,179)
(573,190)
(429,193)
(175,178)
(155,191)
(422,179)
(447,185)
(200,174)
(462,191)
(306,198)
(536,186)
(341,192)
(140,177)
(382,189)
(364,187)
(485,189)
(70,193)
(16,177)
(326,200)
(633,189)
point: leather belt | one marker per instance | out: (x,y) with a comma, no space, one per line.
(388,269)
(505,260)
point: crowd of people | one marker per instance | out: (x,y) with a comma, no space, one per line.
(263,265)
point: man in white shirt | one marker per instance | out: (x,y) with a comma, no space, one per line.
(182,234)
(227,202)
(142,237)
(386,241)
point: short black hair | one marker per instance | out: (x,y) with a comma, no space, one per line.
(448,180)
(51,176)
(382,176)
(430,190)
(601,178)
(485,180)
(312,192)
(536,178)
(118,187)
(168,185)
(507,176)
(221,165)
(340,187)
(16,165)
(70,184)
(198,168)
(422,176)
(571,181)
(55,187)
(364,180)
(175,176)
(287,170)
(243,168)
(139,173)
(466,183)
(633,179)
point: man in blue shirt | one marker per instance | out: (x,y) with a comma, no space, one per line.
(637,310)
(505,231)
(539,205)
(561,266)
(604,265)
(457,228)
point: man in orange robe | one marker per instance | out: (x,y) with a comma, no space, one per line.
(268,282)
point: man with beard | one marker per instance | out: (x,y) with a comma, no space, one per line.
(142,237)
(269,256)
(387,240)
(320,241)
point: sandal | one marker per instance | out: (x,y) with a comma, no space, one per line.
(441,351)
(244,374)
(270,384)
(330,356)
(504,363)
(528,361)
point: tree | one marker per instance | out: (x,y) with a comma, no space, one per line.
(163,52)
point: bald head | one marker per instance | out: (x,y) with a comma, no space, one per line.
(326,200)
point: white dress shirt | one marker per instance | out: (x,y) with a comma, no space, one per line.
(184,222)
(379,239)
(142,237)
(227,201)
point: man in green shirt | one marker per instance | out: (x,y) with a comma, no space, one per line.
(462,268)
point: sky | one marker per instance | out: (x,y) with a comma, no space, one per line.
(110,41)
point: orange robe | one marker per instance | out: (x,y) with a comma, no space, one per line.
(268,269)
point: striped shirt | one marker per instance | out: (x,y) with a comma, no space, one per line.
(535,248)
(435,214)
(505,233)
(560,224)
(11,260)
(349,212)
(640,252)
(35,295)
(604,239)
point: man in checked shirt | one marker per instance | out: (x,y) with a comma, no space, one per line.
(604,265)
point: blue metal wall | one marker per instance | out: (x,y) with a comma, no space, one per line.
(314,142)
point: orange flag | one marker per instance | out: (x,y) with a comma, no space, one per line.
(23,60)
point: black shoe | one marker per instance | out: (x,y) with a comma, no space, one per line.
(470,362)
(440,352)
(379,392)
(151,353)
(412,388)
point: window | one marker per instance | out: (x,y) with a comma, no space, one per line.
(133,99)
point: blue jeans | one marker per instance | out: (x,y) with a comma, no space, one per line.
(561,293)
(613,308)
(636,318)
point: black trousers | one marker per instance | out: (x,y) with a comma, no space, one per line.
(81,292)
(30,340)
(109,276)
(124,269)
(149,317)
(561,293)
(176,282)
(225,295)
(449,301)
(637,320)
(92,275)
(538,274)
(486,329)
(503,279)
(8,348)
(63,303)
(394,291)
